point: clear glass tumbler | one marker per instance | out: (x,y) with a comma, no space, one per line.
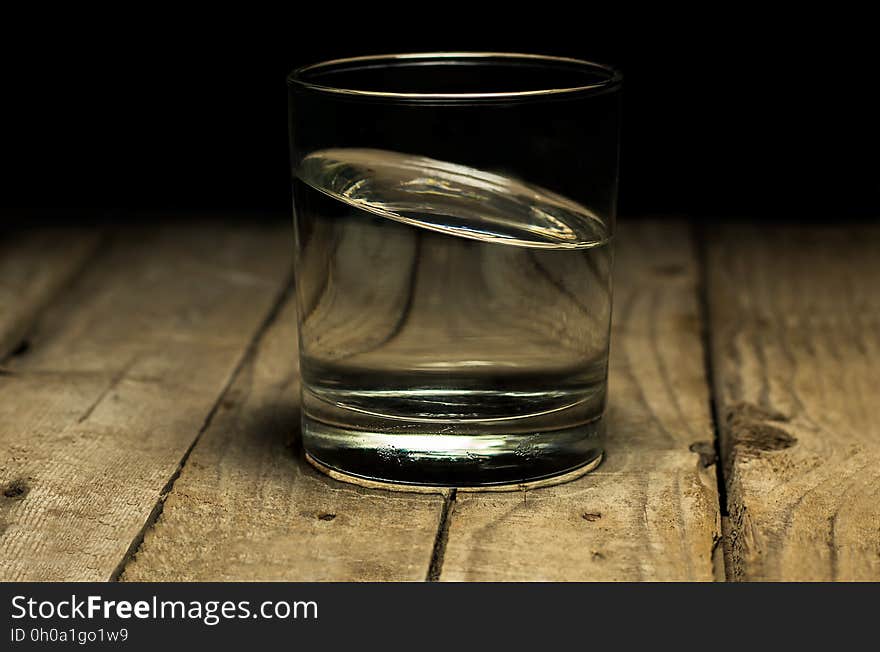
(454,214)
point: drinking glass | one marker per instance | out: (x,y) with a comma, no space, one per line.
(454,215)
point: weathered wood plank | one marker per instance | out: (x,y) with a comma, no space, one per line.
(795,316)
(650,512)
(35,264)
(247,507)
(121,374)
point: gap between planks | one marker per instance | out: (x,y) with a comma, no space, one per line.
(721,550)
(441,538)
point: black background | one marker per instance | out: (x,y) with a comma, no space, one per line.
(735,113)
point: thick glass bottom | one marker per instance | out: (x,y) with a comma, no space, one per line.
(452,455)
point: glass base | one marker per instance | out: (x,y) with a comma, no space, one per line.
(429,458)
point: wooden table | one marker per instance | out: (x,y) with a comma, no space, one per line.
(148,420)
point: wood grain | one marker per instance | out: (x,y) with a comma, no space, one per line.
(795,316)
(122,372)
(36,264)
(650,512)
(247,506)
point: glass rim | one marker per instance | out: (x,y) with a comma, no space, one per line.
(613,76)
